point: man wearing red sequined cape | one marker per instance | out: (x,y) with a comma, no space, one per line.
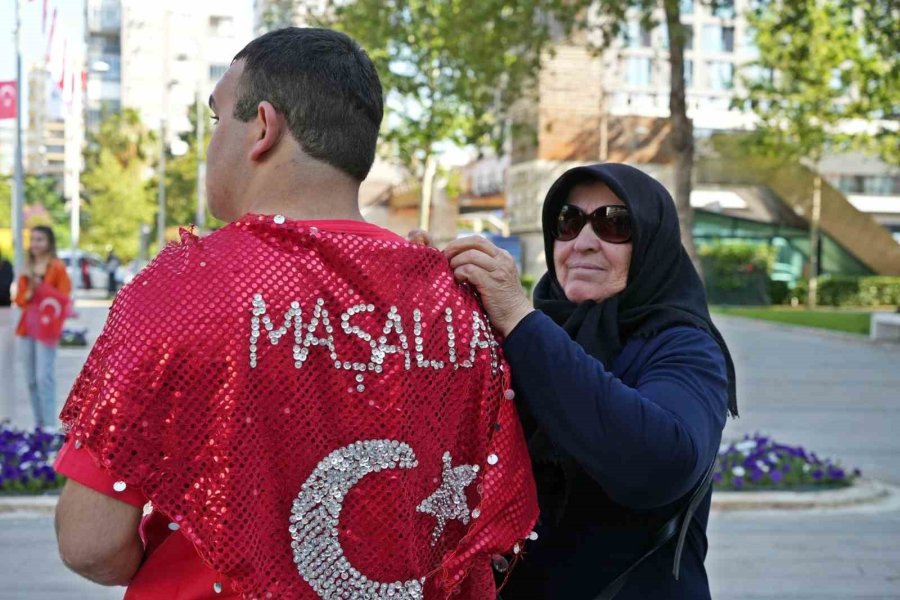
(312,407)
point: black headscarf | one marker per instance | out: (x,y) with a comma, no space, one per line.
(663,290)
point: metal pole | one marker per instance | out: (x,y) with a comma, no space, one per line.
(164,114)
(161,190)
(18,216)
(815,239)
(200,220)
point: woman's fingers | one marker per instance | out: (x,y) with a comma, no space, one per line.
(475,257)
(472,242)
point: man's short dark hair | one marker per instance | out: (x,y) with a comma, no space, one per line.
(324,84)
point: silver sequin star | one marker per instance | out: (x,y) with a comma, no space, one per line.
(448,502)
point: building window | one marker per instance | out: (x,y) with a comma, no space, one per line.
(688,73)
(749,49)
(718,39)
(637,36)
(725,9)
(638,71)
(687,7)
(217,70)
(721,75)
(881,185)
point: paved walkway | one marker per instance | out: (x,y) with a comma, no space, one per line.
(14,403)
(840,398)
(837,397)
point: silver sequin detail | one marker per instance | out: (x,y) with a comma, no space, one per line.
(174,526)
(292,318)
(492,459)
(451,336)
(509,394)
(279,219)
(533,536)
(316,512)
(420,344)
(119,486)
(217,587)
(476,513)
(449,502)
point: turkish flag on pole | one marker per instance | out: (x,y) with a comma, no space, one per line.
(7,99)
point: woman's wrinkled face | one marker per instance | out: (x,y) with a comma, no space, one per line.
(587,267)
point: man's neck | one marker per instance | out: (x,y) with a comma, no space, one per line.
(306,196)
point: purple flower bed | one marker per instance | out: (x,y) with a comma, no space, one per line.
(26,459)
(759,463)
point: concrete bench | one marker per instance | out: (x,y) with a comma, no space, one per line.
(885,326)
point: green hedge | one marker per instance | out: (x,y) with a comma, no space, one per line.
(843,290)
(528,282)
(737,272)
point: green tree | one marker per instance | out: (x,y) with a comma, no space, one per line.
(613,17)
(820,73)
(181,176)
(40,191)
(451,68)
(116,188)
(278,14)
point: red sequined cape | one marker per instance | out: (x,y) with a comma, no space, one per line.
(323,414)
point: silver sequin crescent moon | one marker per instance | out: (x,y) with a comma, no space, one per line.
(314,520)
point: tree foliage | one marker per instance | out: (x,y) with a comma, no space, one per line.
(117,192)
(41,192)
(451,68)
(181,177)
(825,80)
(278,14)
(610,18)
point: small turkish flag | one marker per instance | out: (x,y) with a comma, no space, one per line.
(7,99)
(46,312)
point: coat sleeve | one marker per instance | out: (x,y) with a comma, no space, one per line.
(21,288)
(646,445)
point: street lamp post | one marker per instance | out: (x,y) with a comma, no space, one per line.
(200,220)
(18,215)
(161,189)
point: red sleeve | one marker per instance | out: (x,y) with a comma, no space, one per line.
(81,466)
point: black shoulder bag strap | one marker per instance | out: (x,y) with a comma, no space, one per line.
(664,535)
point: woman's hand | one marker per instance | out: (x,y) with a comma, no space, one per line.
(493,272)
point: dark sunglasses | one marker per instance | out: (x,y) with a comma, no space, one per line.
(611,223)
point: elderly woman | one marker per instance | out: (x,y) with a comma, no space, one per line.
(624,386)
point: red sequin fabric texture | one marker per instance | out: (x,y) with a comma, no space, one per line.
(323,414)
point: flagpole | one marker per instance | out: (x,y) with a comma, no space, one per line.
(18,178)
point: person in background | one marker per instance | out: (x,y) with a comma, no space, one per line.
(6,279)
(84,268)
(43,277)
(112,266)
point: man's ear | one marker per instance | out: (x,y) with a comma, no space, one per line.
(271,128)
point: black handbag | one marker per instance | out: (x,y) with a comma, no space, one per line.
(677,525)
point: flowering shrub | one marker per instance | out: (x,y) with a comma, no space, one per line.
(758,463)
(25,461)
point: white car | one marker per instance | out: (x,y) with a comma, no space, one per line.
(96,267)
